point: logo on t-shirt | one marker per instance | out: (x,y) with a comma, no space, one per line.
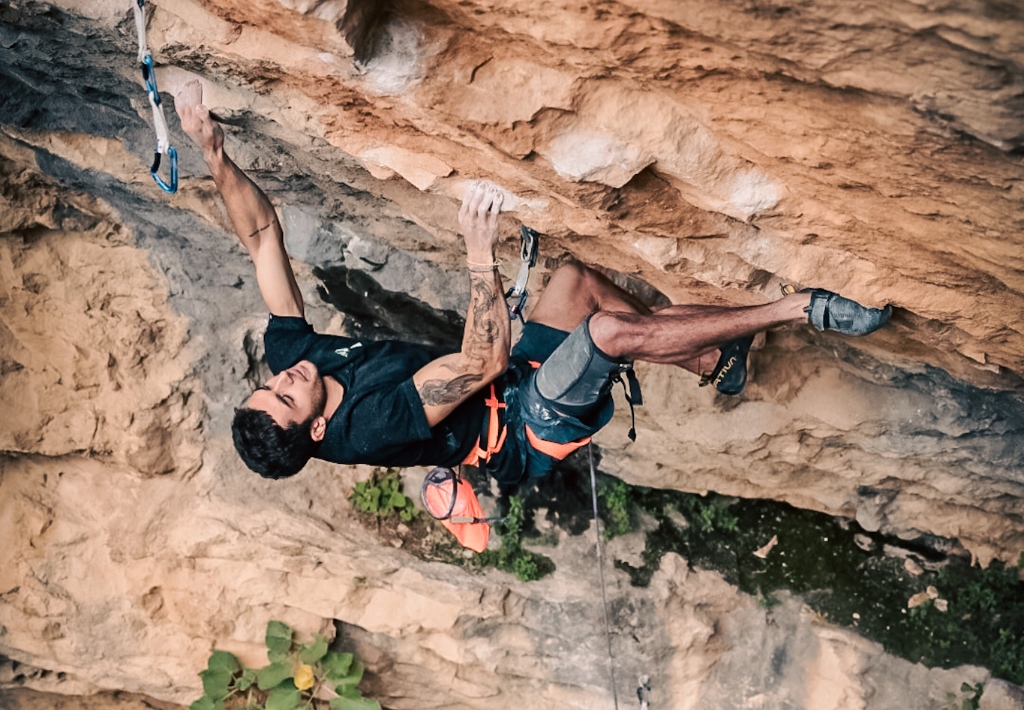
(345,352)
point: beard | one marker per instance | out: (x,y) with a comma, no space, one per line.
(319,397)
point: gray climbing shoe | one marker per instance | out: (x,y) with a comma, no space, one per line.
(830,311)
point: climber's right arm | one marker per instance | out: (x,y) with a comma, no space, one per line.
(259,230)
(251,213)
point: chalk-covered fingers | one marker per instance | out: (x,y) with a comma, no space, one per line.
(478,219)
(490,207)
(470,201)
(195,117)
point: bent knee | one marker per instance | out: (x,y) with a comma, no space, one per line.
(571,274)
(611,332)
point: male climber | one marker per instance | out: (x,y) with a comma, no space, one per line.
(389,403)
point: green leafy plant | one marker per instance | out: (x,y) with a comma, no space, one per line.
(382,495)
(709,514)
(972,702)
(511,557)
(616,513)
(298,676)
(955,701)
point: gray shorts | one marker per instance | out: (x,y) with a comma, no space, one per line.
(565,401)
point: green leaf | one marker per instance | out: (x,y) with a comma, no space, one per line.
(345,686)
(353,704)
(355,674)
(397,500)
(336,665)
(273,675)
(279,637)
(283,698)
(224,661)
(313,652)
(246,680)
(204,703)
(216,683)
(348,691)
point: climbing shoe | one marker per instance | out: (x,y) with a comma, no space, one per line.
(830,311)
(730,373)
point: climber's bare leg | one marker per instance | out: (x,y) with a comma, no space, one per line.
(682,335)
(575,291)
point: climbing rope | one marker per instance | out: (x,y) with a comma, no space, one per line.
(600,569)
(163,144)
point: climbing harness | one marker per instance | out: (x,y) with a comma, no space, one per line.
(600,569)
(163,144)
(516,296)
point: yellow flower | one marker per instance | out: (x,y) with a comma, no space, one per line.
(304,677)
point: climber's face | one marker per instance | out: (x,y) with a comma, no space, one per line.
(292,396)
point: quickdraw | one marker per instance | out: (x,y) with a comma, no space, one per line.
(516,296)
(163,144)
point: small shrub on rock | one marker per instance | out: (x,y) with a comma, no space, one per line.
(303,675)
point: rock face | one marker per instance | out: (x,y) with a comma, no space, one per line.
(707,152)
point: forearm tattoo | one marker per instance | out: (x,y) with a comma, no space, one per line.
(441,392)
(261,229)
(482,333)
(484,330)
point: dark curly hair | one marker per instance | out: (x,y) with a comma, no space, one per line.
(268,448)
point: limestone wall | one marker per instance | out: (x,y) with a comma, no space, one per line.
(709,151)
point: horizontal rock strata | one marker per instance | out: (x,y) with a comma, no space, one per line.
(703,152)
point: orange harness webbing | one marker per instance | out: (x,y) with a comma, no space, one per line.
(555,451)
(496,432)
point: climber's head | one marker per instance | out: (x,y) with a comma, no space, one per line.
(282,423)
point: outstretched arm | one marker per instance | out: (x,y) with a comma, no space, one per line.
(449,381)
(251,213)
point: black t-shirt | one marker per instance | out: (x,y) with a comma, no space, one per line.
(380,421)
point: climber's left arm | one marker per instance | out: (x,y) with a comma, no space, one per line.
(447,382)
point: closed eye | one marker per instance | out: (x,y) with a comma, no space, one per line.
(285,399)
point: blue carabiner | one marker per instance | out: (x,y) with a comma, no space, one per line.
(149,78)
(173,155)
